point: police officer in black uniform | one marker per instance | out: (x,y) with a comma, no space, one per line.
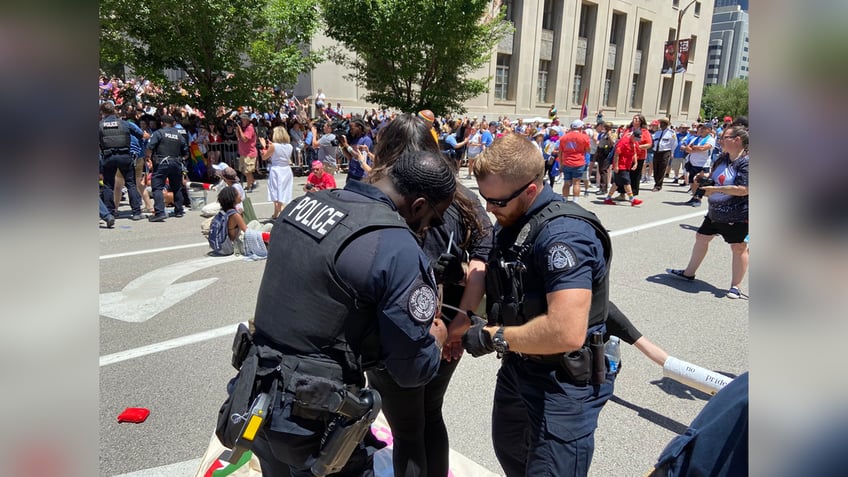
(362,297)
(547,295)
(115,155)
(166,151)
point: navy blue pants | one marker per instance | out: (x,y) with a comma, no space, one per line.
(541,425)
(171,169)
(111,166)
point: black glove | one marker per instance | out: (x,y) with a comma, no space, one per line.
(476,340)
(448,269)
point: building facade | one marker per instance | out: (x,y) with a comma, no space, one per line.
(728,52)
(609,50)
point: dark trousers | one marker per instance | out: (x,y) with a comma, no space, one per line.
(171,169)
(111,166)
(104,212)
(420,436)
(661,159)
(636,176)
(542,425)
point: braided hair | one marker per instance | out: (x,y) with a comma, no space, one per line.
(423,173)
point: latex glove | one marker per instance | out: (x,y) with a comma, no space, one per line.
(448,269)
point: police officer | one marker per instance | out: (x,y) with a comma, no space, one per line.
(547,292)
(115,154)
(165,153)
(362,297)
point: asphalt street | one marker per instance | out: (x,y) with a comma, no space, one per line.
(173,356)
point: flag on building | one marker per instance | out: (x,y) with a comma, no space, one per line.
(584,110)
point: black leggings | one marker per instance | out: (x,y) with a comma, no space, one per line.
(420,436)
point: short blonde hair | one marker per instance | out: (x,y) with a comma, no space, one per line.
(280,136)
(511,157)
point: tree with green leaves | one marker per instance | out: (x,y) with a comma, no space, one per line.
(729,100)
(417,54)
(233,52)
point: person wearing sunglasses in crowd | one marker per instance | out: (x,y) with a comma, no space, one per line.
(547,288)
(318,179)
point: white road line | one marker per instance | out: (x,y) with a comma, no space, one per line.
(166,345)
(616,233)
(216,333)
(153,250)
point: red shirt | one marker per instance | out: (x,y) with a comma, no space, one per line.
(247,148)
(641,154)
(327,181)
(626,150)
(573,147)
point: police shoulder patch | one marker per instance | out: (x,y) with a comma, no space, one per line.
(422,303)
(560,257)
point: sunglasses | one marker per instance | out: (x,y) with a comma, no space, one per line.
(504,202)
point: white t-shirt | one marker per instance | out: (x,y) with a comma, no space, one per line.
(702,158)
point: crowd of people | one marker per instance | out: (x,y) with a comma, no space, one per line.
(406,253)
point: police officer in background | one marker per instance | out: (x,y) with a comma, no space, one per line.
(363,297)
(115,156)
(547,293)
(165,153)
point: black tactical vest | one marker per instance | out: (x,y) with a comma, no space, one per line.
(507,274)
(114,136)
(303,308)
(169,143)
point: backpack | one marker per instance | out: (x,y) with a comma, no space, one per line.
(218,230)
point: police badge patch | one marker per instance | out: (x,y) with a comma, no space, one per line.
(560,257)
(422,303)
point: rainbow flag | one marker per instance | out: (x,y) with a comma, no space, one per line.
(197,168)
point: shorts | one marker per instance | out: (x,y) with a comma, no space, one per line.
(693,170)
(676,162)
(247,164)
(622,178)
(572,173)
(732,233)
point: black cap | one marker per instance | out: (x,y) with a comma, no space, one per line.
(167,119)
(493,123)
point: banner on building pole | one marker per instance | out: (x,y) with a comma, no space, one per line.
(682,56)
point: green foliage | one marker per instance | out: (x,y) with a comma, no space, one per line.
(416,54)
(233,52)
(730,100)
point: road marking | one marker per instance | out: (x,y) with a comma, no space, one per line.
(152,250)
(166,345)
(154,292)
(196,338)
(616,233)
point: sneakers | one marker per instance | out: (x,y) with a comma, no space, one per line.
(609,201)
(110,222)
(694,202)
(177,214)
(734,293)
(157,218)
(636,201)
(679,274)
(674,181)
(136,217)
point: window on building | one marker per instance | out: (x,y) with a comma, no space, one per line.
(675,3)
(665,97)
(548,15)
(583,28)
(634,88)
(672,34)
(744,58)
(693,42)
(509,5)
(578,84)
(745,49)
(608,87)
(502,76)
(616,21)
(697,9)
(542,81)
(687,97)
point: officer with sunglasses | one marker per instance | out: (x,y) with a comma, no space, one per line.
(547,297)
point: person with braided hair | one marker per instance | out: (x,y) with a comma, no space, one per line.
(459,248)
(361,297)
